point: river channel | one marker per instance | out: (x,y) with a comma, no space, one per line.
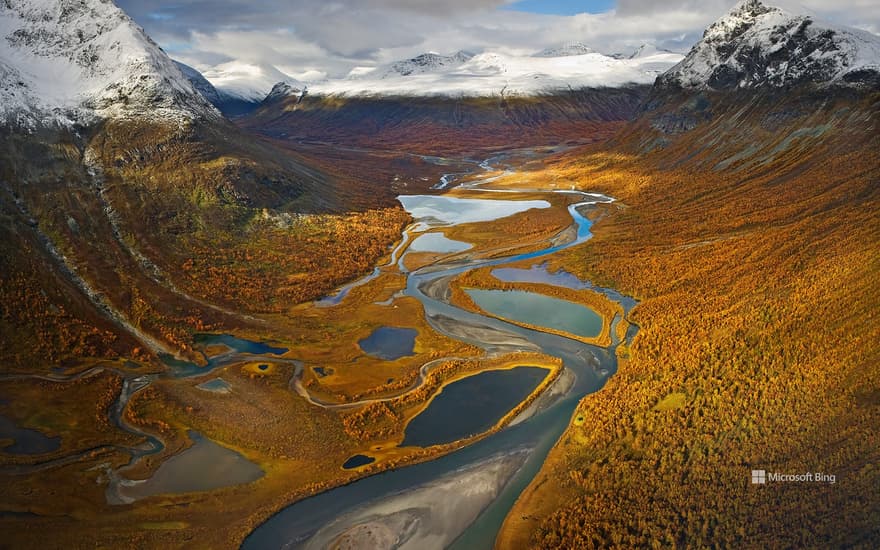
(461,499)
(458,500)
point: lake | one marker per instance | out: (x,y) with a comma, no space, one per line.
(472,405)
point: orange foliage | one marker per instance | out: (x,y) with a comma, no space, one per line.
(758,301)
(277,268)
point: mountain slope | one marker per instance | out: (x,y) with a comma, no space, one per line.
(76,62)
(120,171)
(435,124)
(646,50)
(200,83)
(570,48)
(755,45)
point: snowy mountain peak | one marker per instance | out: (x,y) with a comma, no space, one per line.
(568,49)
(754,45)
(244,80)
(749,9)
(647,50)
(426,63)
(285,89)
(67,61)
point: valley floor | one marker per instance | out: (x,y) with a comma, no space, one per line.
(754,268)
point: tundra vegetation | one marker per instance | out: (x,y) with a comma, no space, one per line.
(757,343)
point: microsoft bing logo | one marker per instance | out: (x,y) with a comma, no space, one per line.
(761,477)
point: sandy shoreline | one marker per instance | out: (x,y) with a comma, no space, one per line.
(428,516)
(558,389)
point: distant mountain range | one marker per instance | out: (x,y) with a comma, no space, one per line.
(492,73)
(750,46)
(238,88)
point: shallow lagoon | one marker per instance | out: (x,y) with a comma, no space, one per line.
(204,466)
(539,310)
(182,368)
(437,242)
(432,210)
(238,344)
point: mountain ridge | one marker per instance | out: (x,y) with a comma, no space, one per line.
(495,74)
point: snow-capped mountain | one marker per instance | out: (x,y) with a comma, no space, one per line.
(425,63)
(250,82)
(647,50)
(285,89)
(242,95)
(493,73)
(66,61)
(756,45)
(571,48)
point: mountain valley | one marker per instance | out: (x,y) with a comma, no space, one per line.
(597,290)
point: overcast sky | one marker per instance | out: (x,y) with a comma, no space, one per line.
(311,39)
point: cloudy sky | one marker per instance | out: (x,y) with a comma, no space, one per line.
(313,39)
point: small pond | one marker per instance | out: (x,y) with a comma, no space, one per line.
(389,343)
(25,440)
(357,461)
